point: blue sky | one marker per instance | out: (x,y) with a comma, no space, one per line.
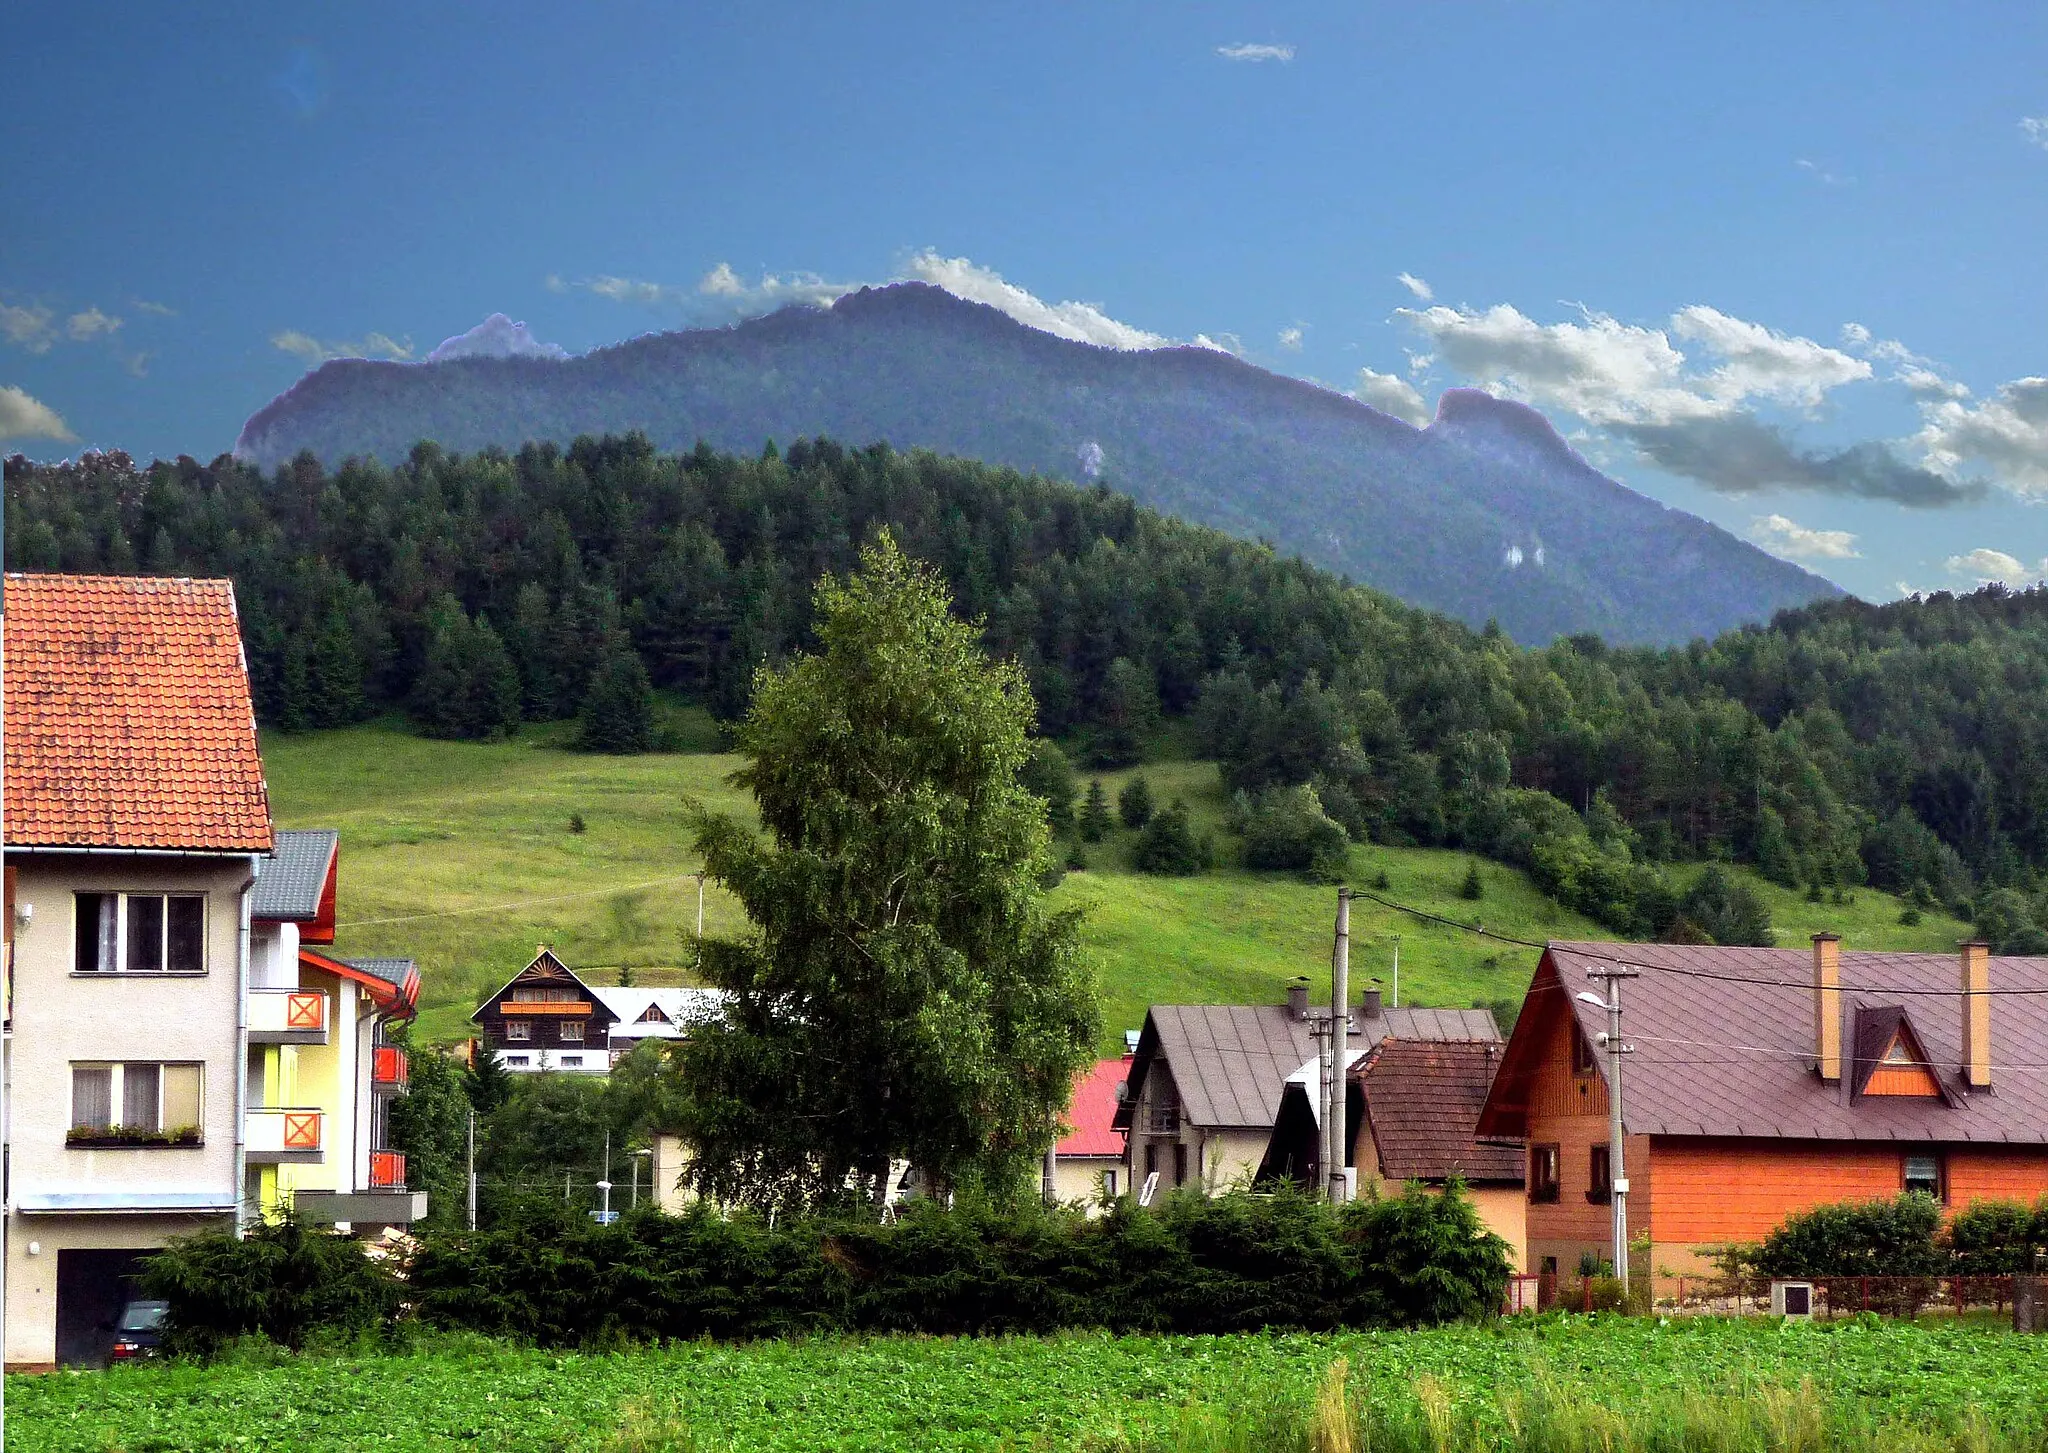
(1717,245)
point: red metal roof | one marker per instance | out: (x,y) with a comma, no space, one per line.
(128,717)
(1093,1107)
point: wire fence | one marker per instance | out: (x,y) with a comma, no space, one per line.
(1752,1296)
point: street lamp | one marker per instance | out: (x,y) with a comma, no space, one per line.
(636,1176)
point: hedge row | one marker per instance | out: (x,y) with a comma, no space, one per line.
(1193,1265)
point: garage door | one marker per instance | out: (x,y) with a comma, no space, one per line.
(92,1287)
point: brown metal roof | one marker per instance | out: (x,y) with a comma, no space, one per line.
(1422,1101)
(1230,1061)
(1714,1057)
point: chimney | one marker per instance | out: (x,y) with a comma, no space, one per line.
(1827,1005)
(1369,1003)
(1977,1014)
(1297,1000)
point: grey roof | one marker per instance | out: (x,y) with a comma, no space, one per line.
(289,881)
(394,971)
(1714,1057)
(1230,1062)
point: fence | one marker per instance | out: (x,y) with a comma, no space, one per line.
(1833,1296)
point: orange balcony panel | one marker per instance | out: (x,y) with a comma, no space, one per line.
(389,1067)
(553,1007)
(387,1170)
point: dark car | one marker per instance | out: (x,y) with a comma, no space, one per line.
(138,1332)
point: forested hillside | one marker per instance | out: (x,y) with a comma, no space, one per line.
(1902,745)
(1486,514)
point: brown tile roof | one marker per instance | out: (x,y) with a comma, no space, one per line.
(1422,1101)
(1230,1062)
(1714,1057)
(128,718)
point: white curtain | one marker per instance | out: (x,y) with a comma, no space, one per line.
(92,1097)
(110,933)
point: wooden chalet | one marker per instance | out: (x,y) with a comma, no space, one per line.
(546,1018)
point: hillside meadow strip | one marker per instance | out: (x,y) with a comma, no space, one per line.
(1927,1384)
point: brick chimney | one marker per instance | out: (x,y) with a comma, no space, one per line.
(1297,1000)
(1369,1002)
(1976,988)
(1827,1005)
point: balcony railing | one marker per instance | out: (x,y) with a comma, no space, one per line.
(287,1016)
(389,1067)
(285,1135)
(387,1170)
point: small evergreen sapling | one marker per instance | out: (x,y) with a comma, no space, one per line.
(1134,803)
(1095,819)
(1472,889)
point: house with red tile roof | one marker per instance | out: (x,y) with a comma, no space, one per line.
(1088,1161)
(1762,1082)
(170,1055)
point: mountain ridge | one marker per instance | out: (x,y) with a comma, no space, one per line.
(1486,514)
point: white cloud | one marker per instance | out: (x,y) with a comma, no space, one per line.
(2006,434)
(1290,339)
(1391,394)
(1416,286)
(496,337)
(315,352)
(22,417)
(721,282)
(1760,363)
(632,290)
(1995,567)
(1821,174)
(28,326)
(91,323)
(159,310)
(1080,322)
(1248,51)
(1795,541)
(2035,130)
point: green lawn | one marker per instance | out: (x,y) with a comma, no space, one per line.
(1872,1387)
(461,855)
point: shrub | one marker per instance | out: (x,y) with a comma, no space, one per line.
(282,1281)
(1727,910)
(1472,889)
(1286,828)
(1866,1238)
(1168,844)
(1999,1238)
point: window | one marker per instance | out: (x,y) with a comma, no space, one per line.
(516,1059)
(572,1031)
(1583,1062)
(1180,1164)
(140,933)
(1542,1173)
(1925,1174)
(518,1030)
(136,1098)
(572,1061)
(652,1015)
(1151,1160)
(1600,1184)
(1109,1184)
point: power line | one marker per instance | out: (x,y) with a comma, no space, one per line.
(1682,972)
(522,903)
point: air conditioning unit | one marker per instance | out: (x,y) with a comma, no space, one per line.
(1792,1299)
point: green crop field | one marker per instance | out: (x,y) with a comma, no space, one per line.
(1889,1385)
(462,856)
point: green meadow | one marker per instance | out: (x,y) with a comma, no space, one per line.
(466,857)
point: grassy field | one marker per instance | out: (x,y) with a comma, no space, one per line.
(463,856)
(1890,1386)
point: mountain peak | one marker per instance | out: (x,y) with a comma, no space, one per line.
(1477,418)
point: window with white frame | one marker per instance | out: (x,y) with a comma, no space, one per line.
(136,1095)
(572,1031)
(518,1030)
(140,933)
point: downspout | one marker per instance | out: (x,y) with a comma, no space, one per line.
(242,1059)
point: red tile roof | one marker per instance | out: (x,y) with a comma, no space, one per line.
(1423,1101)
(128,717)
(1093,1108)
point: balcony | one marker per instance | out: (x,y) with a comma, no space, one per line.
(389,1067)
(387,1170)
(285,1135)
(287,1016)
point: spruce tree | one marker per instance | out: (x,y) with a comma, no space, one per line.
(1095,819)
(1134,803)
(334,673)
(618,709)
(1168,844)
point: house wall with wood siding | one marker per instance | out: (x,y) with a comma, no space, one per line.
(1713,1192)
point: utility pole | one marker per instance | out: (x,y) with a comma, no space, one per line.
(471,1170)
(1340,1034)
(1617,1169)
(699,875)
(604,1187)
(1397,972)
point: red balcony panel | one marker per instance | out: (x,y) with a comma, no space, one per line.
(387,1170)
(388,1066)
